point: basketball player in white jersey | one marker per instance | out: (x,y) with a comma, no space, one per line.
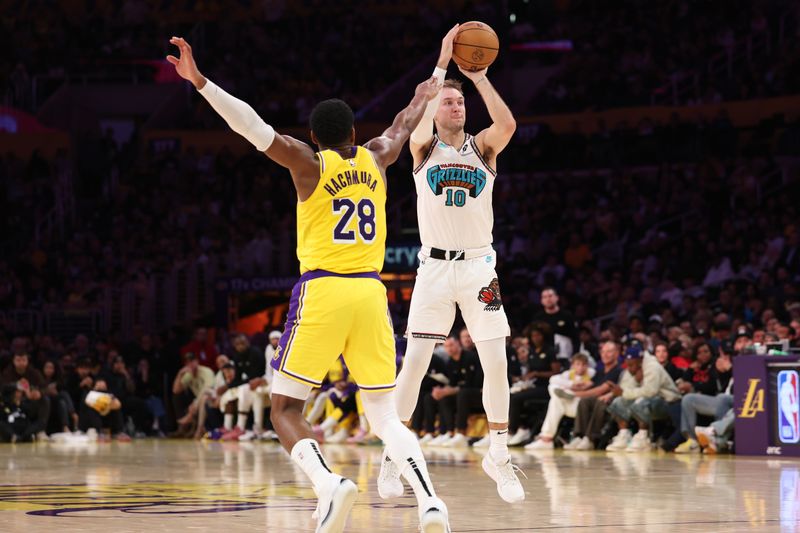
(454,173)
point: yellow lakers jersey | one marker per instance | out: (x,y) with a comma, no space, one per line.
(341,227)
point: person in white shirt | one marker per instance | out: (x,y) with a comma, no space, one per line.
(563,402)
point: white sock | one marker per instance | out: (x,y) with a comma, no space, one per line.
(228,421)
(241,421)
(402,445)
(328,424)
(363,425)
(498,445)
(307,455)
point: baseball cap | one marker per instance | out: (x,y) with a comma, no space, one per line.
(275,334)
(742,331)
(229,364)
(634,352)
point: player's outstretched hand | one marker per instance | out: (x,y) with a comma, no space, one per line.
(476,76)
(429,88)
(185,65)
(447,47)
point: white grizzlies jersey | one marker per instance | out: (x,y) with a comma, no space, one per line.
(454,197)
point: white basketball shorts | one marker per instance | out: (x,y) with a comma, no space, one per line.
(471,284)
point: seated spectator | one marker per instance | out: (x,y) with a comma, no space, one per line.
(123,387)
(455,401)
(190,382)
(591,414)
(61,406)
(711,396)
(718,437)
(542,364)
(643,395)
(251,366)
(340,405)
(563,402)
(36,404)
(209,415)
(102,411)
(661,353)
(15,426)
(423,422)
(149,388)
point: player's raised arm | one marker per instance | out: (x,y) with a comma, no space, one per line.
(496,137)
(242,118)
(386,148)
(422,135)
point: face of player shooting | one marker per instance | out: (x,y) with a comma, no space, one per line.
(451,115)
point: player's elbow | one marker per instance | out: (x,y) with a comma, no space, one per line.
(508,126)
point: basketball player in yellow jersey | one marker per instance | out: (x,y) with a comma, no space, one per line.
(339,304)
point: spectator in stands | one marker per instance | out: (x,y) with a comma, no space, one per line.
(103,411)
(591,414)
(424,421)
(123,387)
(562,324)
(661,353)
(563,400)
(707,393)
(269,351)
(458,398)
(467,344)
(31,382)
(202,347)
(209,415)
(254,390)
(530,394)
(643,395)
(187,388)
(61,406)
(149,389)
(14,423)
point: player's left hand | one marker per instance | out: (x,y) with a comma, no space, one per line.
(476,76)
(186,66)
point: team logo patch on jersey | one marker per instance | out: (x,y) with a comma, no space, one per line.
(277,353)
(490,296)
(456,175)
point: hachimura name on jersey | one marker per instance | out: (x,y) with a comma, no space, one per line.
(341,227)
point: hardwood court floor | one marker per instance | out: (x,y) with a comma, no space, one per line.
(161,485)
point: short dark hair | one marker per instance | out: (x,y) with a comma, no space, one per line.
(332,121)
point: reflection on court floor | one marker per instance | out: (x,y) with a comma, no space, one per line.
(180,486)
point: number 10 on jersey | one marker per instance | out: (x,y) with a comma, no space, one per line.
(345,208)
(456,197)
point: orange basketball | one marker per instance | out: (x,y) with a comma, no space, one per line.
(475,46)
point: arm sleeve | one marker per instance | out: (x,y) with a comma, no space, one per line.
(239,115)
(424,129)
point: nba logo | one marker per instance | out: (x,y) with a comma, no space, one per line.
(788,416)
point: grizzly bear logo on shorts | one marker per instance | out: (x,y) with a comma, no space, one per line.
(491,296)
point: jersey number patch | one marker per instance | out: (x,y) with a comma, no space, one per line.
(345,208)
(456,197)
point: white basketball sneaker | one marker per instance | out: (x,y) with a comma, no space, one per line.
(620,441)
(483,443)
(433,517)
(508,485)
(389,483)
(336,499)
(426,439)
(459,440)
(519,437)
